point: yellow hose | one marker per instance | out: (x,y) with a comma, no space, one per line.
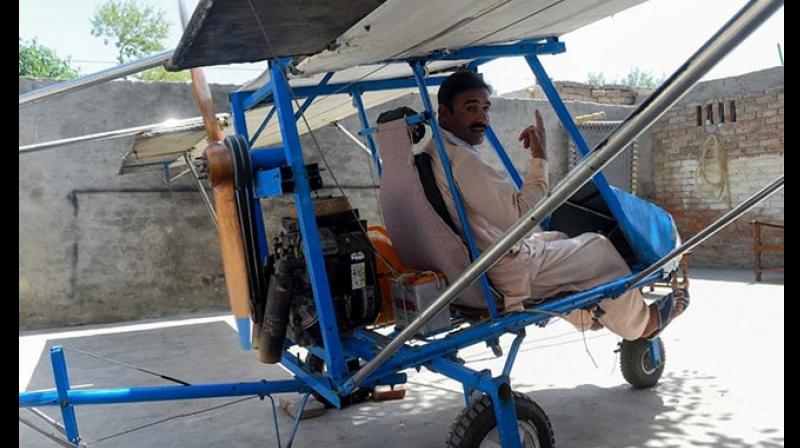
(722,160)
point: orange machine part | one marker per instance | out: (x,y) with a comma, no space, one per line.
(381,242)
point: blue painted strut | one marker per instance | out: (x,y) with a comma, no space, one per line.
(62,394)
(334,359)
(362,116)
(419,74)
(503,155)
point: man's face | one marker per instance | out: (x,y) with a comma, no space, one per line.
(470,115)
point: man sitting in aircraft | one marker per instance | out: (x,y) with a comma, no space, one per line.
(547,263)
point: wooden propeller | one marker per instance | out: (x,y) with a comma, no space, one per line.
(221,172)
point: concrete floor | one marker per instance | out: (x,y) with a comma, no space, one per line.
(722,386)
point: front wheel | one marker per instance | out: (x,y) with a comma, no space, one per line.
(476,426)
(637,364)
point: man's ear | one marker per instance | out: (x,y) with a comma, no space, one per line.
(444,114)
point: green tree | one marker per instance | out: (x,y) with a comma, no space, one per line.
(596,79)
(639,78)
(635,78)
(38,61)
(160,74)
(136,31)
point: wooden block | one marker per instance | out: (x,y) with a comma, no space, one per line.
(384,393)
(313,408)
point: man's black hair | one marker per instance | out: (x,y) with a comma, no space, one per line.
(459,82)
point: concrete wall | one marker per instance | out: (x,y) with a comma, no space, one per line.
(754,145)
(98,247)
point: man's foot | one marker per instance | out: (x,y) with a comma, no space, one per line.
(664,310)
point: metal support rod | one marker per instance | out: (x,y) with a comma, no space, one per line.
(165,126)
(52,436)
(200,187)
(655,352)
(161,393)
(512,353)
(96,78)
(62,392)
(262,126)
(503,155)
(466,230)
(50,420)
(352,137)
(310,98)
(312,250)
(730,35)
(715,227)
(362,116)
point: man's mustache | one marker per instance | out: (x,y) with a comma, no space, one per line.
(478,127)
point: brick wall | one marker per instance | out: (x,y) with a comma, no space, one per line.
(747,119)
(611,94)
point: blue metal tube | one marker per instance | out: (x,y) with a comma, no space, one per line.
(362,116)
(62,394)
(462,374)
(572,129)
(498,389)
(419,74)
(308,226)
(364,86)
(262,126)
(311,97)
(253,98)
(558,105)
(237,112)
(144,394)
(549,46)
(506,416)
(655,353)
(267,158)
(486,53)
(318,383)
(512,353)
(503,155)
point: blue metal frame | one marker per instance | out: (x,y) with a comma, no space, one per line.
(365,344)
(572,129)
(62,394)
(362,116)
(497,388)
(334,359)
(503,155)
(262,126)
(439,355)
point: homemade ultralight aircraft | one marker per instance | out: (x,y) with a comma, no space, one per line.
(327,280)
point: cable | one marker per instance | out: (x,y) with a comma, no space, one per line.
(723,183)
(129,366)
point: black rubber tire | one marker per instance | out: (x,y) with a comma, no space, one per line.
(635,363)
(477,421)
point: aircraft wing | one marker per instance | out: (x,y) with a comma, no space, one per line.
(354,39)
(339,34)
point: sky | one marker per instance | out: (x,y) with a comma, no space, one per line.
(656,37)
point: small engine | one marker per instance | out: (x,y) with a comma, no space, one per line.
(349,263)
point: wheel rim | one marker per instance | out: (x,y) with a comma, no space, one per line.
(527,434)
(647,363)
